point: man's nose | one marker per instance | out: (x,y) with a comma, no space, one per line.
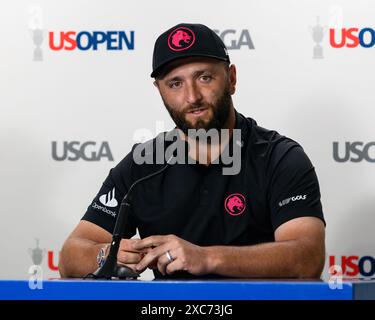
(193,94)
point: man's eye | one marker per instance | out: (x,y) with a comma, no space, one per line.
(206,78)
(174,85)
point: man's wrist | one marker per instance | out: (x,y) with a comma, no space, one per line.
(212,259)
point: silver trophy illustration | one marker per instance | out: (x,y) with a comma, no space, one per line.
(37,35)
(37,254)
(37,32)
(317,33)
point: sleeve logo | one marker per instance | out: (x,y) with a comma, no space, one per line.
(109,199)
(295,198)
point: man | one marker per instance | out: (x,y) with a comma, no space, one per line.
(264,221)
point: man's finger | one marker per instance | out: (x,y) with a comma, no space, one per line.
(129,257)
(163,261)
(175,265)
(127,245)
(152,256)
(152,241)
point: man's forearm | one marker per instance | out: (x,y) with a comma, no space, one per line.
(78,257)
(277,259)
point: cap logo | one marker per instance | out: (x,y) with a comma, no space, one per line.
(181,39)
(235,204)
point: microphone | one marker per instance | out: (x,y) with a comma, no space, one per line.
(110,268)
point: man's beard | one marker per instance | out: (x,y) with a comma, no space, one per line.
(220,112)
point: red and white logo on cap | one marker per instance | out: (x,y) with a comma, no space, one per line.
(181,38)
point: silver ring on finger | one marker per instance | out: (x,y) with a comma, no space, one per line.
(169,256)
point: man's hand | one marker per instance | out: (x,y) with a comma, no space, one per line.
(127,255)
(186,256)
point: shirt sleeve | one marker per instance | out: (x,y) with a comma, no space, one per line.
(105,206)
(293,188)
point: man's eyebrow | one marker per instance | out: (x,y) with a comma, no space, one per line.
(175,78)
(195,74)
(200,72)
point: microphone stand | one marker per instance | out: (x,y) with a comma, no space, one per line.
(110,268)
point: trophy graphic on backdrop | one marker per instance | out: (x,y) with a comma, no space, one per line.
(317,33)
(37,35)
(36,271)
(37,254)
(37,32)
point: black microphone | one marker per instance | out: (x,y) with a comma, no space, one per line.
(110,268)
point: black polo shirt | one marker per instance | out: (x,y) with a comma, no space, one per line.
(276,183)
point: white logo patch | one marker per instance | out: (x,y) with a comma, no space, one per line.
(109,199)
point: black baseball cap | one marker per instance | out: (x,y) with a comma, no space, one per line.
(187,40)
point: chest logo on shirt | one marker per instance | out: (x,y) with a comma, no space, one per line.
(235,204)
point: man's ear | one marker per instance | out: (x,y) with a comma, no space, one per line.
(232,79)
(156,83)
